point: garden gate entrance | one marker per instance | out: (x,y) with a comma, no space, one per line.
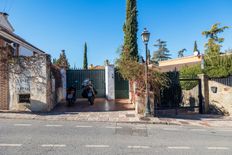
(179,99)
(121,86)
(76,77)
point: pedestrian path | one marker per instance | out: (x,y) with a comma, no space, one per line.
(122,117)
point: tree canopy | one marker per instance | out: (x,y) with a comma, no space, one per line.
(213,45)
(181,53)
(62,61)
(162,53)
(130,29)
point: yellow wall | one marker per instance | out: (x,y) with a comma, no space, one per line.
(183,60)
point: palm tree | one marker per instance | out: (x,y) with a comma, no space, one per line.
(181,53)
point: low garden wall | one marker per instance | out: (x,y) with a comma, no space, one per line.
(34,84)
(220,98)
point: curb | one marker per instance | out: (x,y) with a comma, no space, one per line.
(68,119)
(44,117)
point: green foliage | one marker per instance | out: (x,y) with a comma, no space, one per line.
(218,66)
(189,72)
(62,61)
(181,53)
(195,47)
(130,29)
(132,70)
(162,53)
(85,61)
(213,45)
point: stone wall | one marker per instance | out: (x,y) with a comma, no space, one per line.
(57,85)
(30,76)
(221,100)
(4,93)
(190,98)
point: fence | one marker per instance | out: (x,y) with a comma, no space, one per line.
(174,97)
(76,77)
(226,81)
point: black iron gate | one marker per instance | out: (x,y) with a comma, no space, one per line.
(175,97)
(121,86)
(76,77)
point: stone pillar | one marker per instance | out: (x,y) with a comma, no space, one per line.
(110,82)
(204,92)
(64,82)
(4,78)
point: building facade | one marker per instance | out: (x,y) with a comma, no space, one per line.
(28,80)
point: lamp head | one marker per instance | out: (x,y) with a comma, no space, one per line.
(145,35)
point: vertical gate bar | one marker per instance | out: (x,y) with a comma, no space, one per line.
(200,98)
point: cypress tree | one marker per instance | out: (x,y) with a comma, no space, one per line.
(195,47)
(85,61)
(130,29)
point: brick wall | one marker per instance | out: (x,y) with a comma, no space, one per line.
(4,87)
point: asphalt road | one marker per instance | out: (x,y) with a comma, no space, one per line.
(32,137)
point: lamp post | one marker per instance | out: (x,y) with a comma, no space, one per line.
(197,53)
(145,37)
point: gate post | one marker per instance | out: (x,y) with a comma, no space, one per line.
(64,82)
(204,92)
(110,82)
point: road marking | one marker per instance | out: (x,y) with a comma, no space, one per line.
(140,128)
(53,125)
(198,130)
(53,145)
(138,147)
(97,146)
(83,126)
(10,145)
(113,127)
(224,130)
(217,148)
(170,129)
(179,147)
(22,124)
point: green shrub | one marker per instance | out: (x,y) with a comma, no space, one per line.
(219,66)
(189,73)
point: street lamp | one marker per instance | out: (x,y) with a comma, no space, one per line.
(146,36)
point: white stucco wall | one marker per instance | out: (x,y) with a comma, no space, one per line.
(110,82)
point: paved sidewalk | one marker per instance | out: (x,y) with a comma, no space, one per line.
(125,117)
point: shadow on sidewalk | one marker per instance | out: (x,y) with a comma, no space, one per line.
(191,116)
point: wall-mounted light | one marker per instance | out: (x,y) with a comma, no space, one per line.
(214,89)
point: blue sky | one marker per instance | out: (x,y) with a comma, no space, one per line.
(53,25)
